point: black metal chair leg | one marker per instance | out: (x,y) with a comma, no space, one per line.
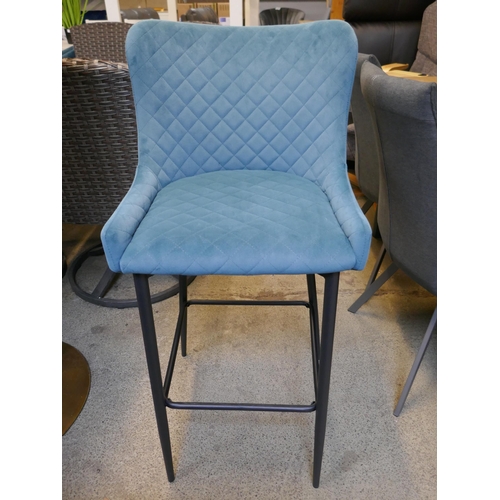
(182,303)
(315,342)
(371,289)
(416,364)
(325,365)
(153,361)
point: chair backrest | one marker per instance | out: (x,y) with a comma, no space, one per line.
(201,15)
(281,15)
(104,41)
(214,98)
(405,116)
(140,13)
(99,139)
(366,164)
(426,60)
(388,29)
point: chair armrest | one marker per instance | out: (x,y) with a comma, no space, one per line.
(122,225)
(349,215)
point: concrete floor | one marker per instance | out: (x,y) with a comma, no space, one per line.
(112,451)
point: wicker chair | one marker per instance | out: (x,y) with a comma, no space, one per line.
(104,41)
(99,158)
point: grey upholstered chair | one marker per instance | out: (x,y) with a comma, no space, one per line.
(366,166)
(99,158)
(281,15)
(404,113)
(241,172)
(426,60)
(389,31)
(103,41)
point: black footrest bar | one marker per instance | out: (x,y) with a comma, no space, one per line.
(241,407)
(198,302)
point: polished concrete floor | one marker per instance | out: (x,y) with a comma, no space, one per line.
(112,450)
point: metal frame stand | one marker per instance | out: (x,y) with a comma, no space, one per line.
(374,284)
(98,295)
(321,360)
(416,364)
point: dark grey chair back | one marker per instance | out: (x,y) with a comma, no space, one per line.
(388,29)
(426,60)
(104,41)
(405,116)
(366,164)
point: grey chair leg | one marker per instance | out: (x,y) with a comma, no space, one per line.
(416,364)
(367,205)
(376,229)
(314,319)
(376,267)
(153,361)
(325,365)
(371,289)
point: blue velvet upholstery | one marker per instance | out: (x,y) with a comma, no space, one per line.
(242,151)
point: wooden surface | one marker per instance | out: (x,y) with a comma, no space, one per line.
(337,6)
(410,75)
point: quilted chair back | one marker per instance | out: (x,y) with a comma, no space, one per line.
(281,15)
(405,114)
(426,60)
(99,139)
(104,41)
(214,98)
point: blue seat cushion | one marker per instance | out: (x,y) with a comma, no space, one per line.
(241,222)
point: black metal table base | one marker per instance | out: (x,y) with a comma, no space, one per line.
(321,360)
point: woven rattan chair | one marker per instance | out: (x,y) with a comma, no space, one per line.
(99,159)
(104,41)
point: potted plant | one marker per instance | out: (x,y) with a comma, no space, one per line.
(72,15)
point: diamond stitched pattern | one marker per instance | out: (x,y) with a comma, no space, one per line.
(239,222)
(199,110)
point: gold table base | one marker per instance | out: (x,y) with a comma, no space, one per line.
(75,384)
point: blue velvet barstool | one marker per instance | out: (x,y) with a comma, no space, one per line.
(241,171)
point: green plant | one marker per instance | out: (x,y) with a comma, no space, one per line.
(72,13)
